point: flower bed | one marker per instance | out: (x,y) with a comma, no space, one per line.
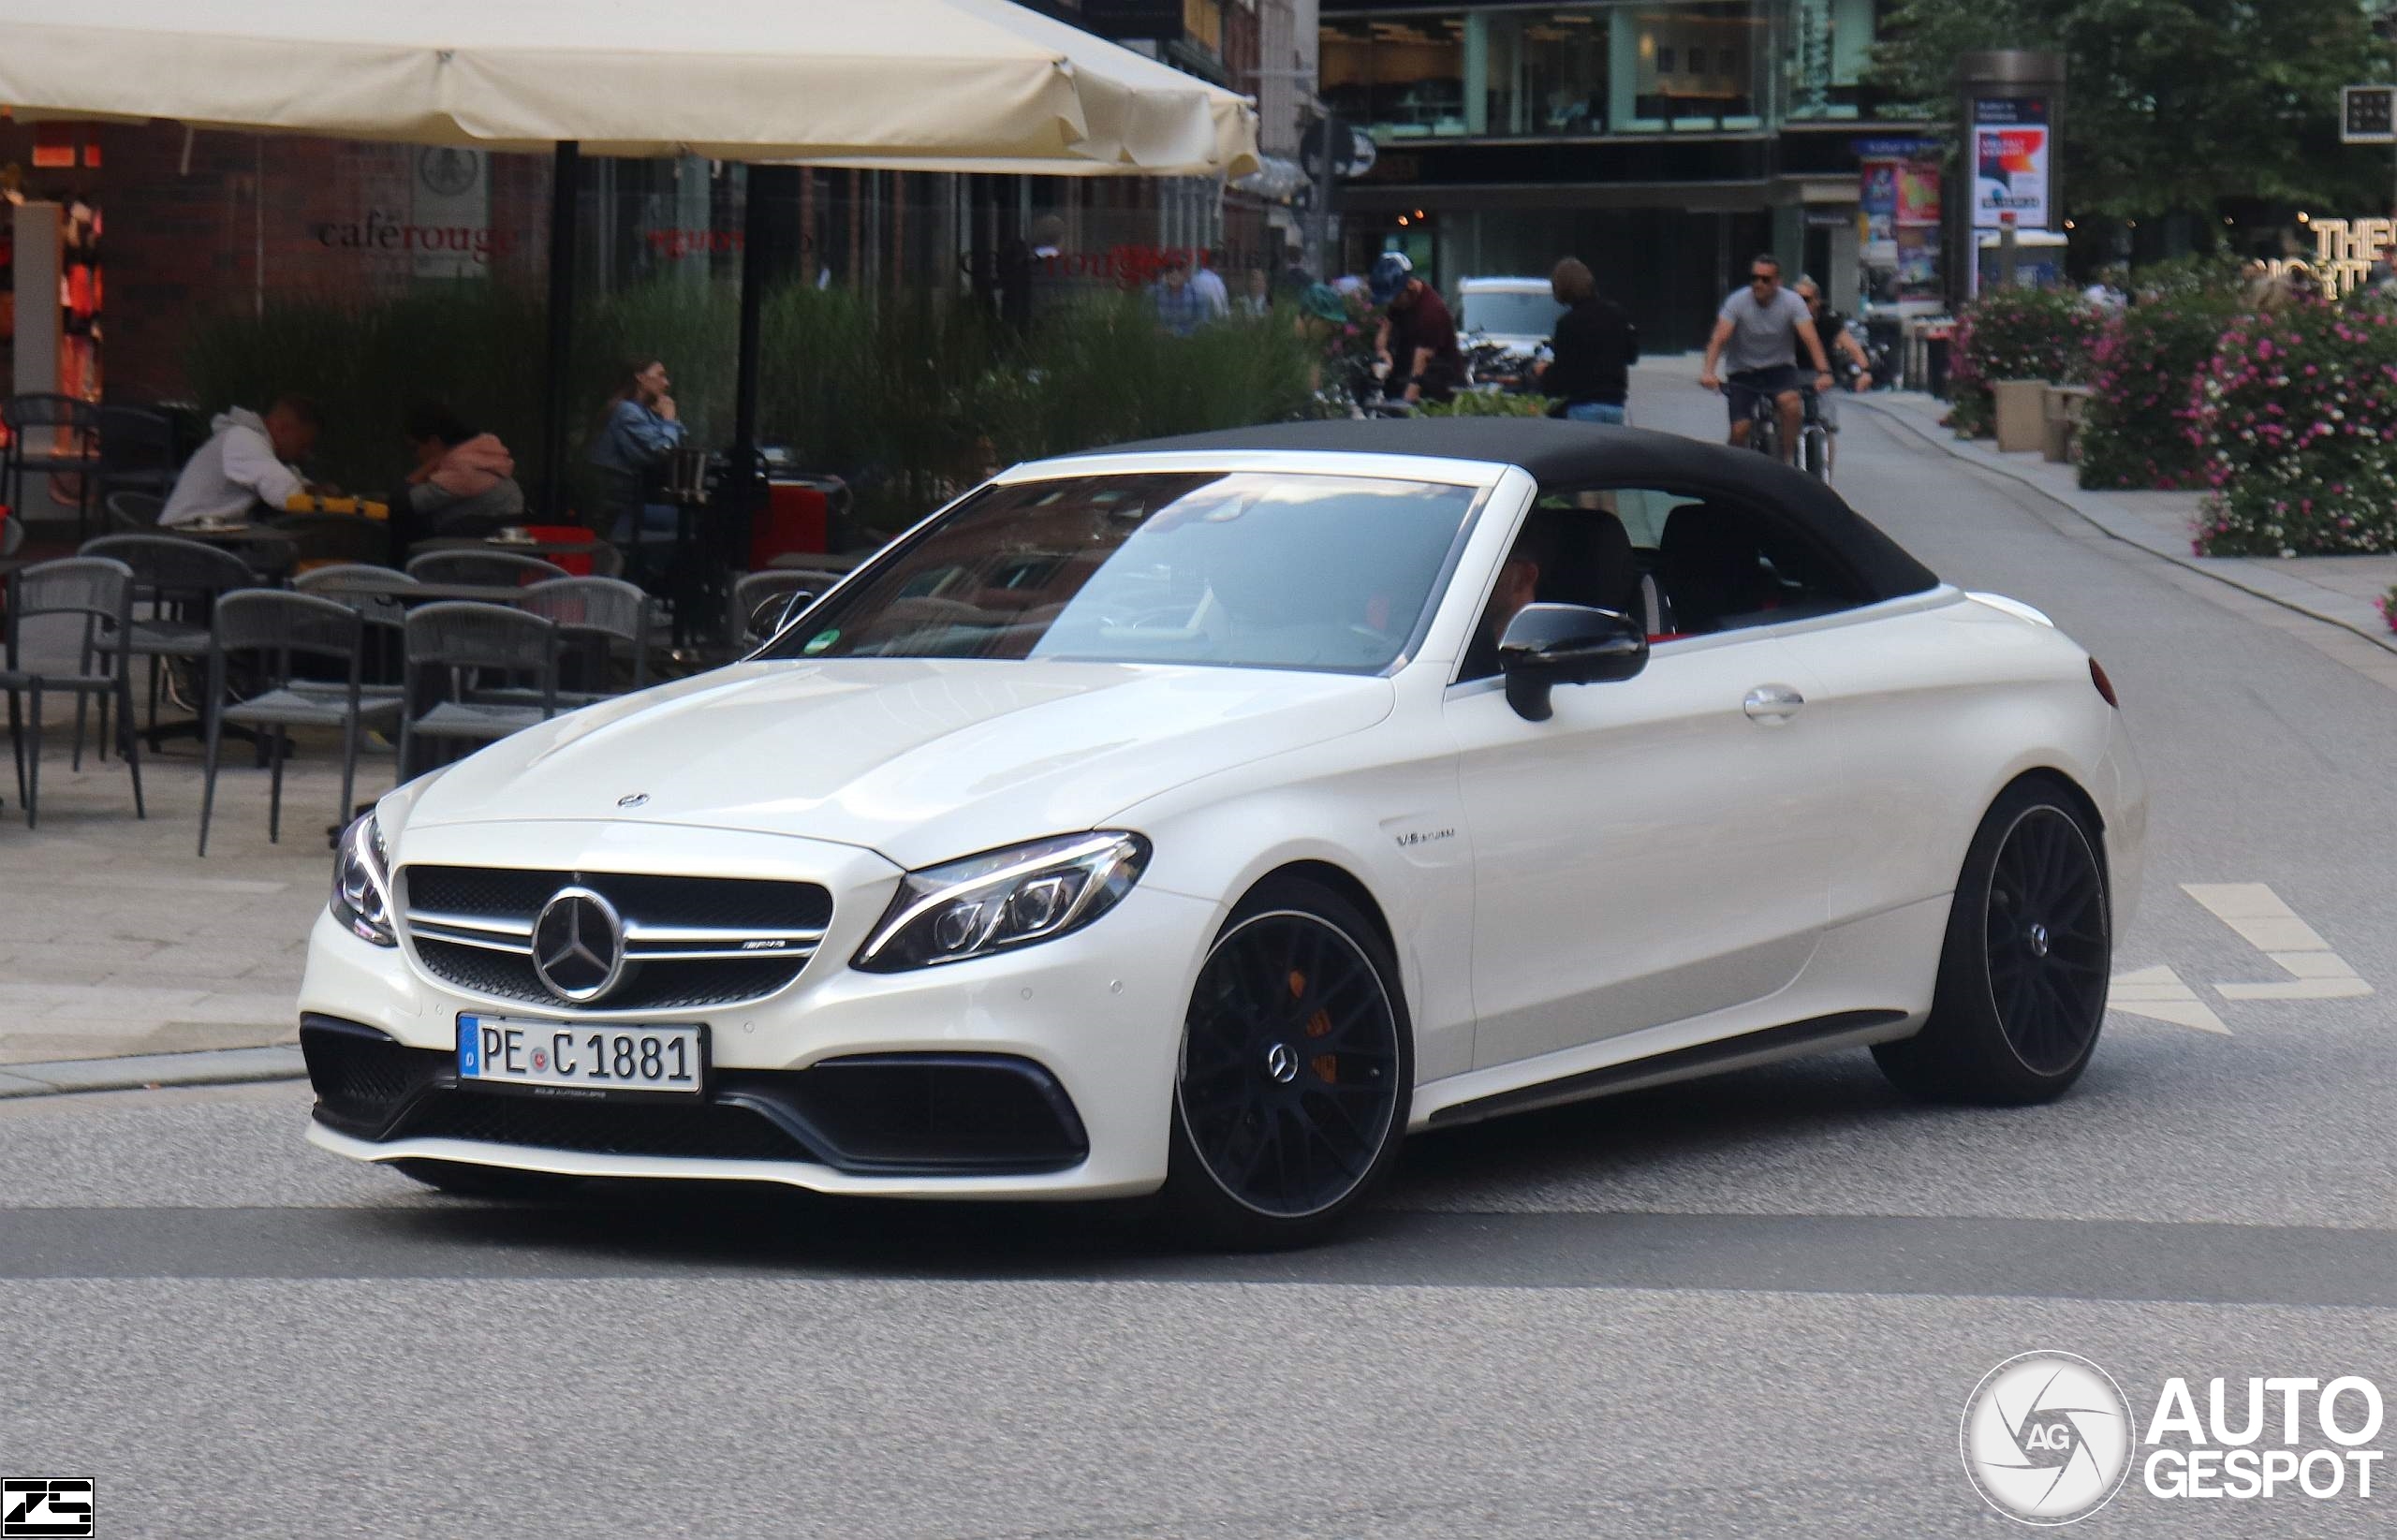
(2296,418)
(2016,334)
(2138,433)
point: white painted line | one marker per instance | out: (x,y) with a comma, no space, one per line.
(2158,994)
(2270,926)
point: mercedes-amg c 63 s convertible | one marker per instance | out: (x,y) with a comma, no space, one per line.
(1199,817)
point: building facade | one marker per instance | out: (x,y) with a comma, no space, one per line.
(1663,142)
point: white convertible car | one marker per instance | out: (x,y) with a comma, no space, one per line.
(1204,816)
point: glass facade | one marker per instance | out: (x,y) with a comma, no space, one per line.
(1599,68)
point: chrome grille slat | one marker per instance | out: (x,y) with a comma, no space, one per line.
(689,941)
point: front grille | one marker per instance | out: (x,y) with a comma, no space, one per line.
(690,1130)
(689,942)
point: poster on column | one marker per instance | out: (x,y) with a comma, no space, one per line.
(2010,145)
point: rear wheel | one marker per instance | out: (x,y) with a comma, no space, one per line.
(1297,1071)
(2023,976)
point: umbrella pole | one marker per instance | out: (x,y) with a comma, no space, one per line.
(565,186)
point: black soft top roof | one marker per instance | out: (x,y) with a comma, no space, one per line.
(1571,456)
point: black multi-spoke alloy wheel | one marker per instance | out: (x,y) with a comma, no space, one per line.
(1296,1070)
(2030,946)
(467,1180)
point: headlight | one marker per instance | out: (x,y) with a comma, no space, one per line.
(1002,898)
(362,883)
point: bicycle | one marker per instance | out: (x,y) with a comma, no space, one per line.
(1814,441)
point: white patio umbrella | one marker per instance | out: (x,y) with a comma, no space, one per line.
(929,85)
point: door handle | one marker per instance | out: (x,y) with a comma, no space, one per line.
(1772,704)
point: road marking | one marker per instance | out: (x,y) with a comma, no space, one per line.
(2270,926)
(2159,992)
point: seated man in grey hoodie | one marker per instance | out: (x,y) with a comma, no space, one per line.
(246,461)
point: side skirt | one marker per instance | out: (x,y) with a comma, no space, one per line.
(1817,1034)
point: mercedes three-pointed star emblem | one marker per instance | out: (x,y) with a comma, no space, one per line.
(578,946)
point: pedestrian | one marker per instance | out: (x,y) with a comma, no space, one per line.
(1418,338)
(463,484)
(1209,286)
(1258,300)
(1180,308)
(248,463)
(1758,333)
(1343,365)
(1594,345)
(639,432)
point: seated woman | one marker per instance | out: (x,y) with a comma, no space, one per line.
(463,484)
(639,432)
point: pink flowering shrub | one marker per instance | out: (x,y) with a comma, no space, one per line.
(2016,334)
(2296,420)
(2388,602)
(2139,405)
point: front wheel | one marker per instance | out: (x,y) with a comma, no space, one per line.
(1296,1072)
(2023,973)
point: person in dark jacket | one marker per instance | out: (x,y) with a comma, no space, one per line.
(1595,346)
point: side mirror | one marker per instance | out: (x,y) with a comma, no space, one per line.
(776,610)
(1546,645)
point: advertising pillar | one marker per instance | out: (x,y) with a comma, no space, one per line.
(2012,104)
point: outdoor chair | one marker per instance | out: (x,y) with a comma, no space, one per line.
(592,615)
(360,587)
(758,587)
(97,592)
(180,581)
(137,452)
(270,629)
(133,512)
(459,648)
(492,568)
(55,435)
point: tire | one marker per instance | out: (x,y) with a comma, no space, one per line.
(467,1179)
(1814,453)
(2022,973)
(1296,1020)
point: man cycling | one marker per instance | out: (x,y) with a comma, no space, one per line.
(1756,334)
(1832,327)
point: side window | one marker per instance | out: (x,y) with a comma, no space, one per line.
(1563,554)
(1708,564)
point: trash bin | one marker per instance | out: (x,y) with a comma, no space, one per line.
(2022,423)
(1935,365)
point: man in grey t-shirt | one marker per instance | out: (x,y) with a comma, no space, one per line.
(1757,333)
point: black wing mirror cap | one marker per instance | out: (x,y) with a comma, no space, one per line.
(1546,645)
(777,610)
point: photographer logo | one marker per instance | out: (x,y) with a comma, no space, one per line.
(2047,1438)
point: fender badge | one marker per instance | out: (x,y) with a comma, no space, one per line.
(636,799)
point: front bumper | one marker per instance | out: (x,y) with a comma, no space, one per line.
(1094,1018)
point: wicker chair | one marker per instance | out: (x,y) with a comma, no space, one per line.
(450,648)
(592,615)
(98,592)
(133,512)
(171,573)
(366,589)
(270,628)
(58,436)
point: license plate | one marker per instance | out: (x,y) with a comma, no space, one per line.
(501,1050)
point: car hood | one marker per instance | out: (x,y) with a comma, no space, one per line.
(920,759)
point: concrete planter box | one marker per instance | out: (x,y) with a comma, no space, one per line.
(2022,416)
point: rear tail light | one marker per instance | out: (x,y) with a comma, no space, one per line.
(2105,685)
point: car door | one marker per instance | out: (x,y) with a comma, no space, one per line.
(1649,854)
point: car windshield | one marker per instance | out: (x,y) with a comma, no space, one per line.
(1511,314)
(1235,570)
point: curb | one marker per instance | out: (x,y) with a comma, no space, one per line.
(2381,637)
(144,1071)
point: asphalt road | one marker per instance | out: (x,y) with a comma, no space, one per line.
(1751,1306)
